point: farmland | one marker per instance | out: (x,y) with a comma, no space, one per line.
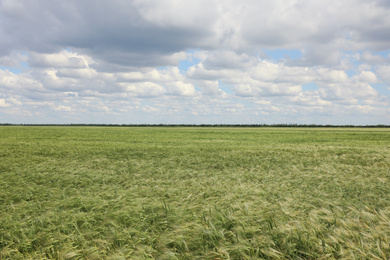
(194,193)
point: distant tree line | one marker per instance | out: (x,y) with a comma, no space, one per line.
(199,125)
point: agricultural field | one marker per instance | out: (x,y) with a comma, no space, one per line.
(194,193)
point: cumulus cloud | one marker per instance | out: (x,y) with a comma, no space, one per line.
(3,103)
(194,60)
(373,59)
(64,59)
(181,89)
(383,73)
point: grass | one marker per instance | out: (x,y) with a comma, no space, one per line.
(194,193)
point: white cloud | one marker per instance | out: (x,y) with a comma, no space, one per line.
(66,58)
(181,89)
(367,76)
(143,89)
(349,93)
(77,73)
(373,59)
(364,66)
(222,59)
(13,60)
(3,103)
(210,88)
(383,73)
(177,13)
(332,76)
(19,83)
(63,108)
(313,99)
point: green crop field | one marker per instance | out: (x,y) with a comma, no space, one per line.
(194,193)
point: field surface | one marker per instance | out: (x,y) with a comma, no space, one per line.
(194,193)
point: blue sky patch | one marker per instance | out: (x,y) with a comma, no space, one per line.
(13,70)
(384,54)
(19,69)
(309,86)
(184,65)
(224,87)
(382,89)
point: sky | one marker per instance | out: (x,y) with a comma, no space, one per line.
(195,62)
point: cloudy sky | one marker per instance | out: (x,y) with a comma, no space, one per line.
(195,62)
